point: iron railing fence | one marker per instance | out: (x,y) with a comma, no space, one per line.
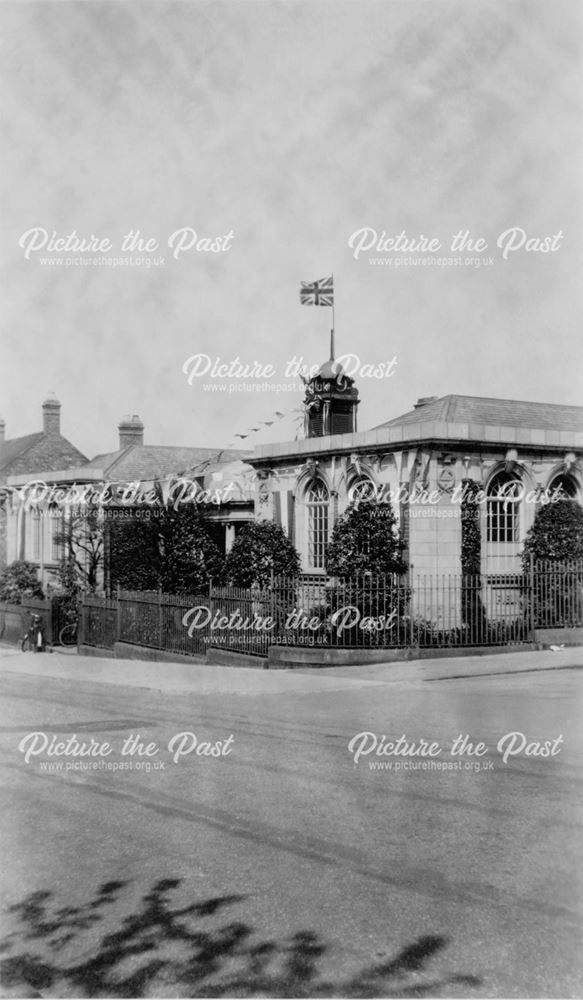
(462,610)
(368,611)
(556,594)
(239,619)
(156,620)
(412,611)
(98,621)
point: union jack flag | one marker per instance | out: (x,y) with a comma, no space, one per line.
(317,293)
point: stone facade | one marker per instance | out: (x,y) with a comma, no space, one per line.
(419,463)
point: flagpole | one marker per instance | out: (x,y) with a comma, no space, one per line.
(333,324)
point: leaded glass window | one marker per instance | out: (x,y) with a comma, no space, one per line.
(317,502)
(503,508)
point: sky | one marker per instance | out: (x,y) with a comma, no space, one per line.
(275,131)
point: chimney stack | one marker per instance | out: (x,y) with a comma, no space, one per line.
(2,431)
(131,431)
(51,415)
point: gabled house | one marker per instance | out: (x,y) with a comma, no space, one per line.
(217,479)
(46,479)
(34,456)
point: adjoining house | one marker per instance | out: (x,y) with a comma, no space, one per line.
(28,535)
(216,479)
(46,480)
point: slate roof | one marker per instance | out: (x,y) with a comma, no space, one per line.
(493,412)
(149,462)
(9,450)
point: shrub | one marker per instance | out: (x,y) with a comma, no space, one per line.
(365,542)
(556,535)
(554,548)
(172,552)
(19,581)
(261,548)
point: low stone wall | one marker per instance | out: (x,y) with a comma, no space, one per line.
(97,651)
(545,637)
(129,651)
(230,658)
(288,657)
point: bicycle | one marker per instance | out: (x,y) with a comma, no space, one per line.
(68,634)
(34,639)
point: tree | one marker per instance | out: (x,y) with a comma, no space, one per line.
(81,535)
(134,555)
(366,545)
(171,551)
(261,548)
(554,548)
(18,581)
(366,540)
(189,558)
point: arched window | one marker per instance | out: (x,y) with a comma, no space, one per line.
(317,501)
(563,486)
(503,520)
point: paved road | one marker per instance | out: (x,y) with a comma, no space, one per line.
(284,868)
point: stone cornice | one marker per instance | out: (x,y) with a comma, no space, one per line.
(427,433)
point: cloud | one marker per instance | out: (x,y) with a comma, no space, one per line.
(293,125)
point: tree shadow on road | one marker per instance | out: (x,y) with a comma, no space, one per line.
(190,951)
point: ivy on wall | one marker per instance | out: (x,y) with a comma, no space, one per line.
(473,613)
(471,553)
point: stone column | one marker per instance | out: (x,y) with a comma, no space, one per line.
(229,537)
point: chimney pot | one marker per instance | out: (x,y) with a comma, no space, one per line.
(131,431)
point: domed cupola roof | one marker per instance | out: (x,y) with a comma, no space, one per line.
(330,370)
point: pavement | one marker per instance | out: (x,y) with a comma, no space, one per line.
(288,868)
(248,680)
